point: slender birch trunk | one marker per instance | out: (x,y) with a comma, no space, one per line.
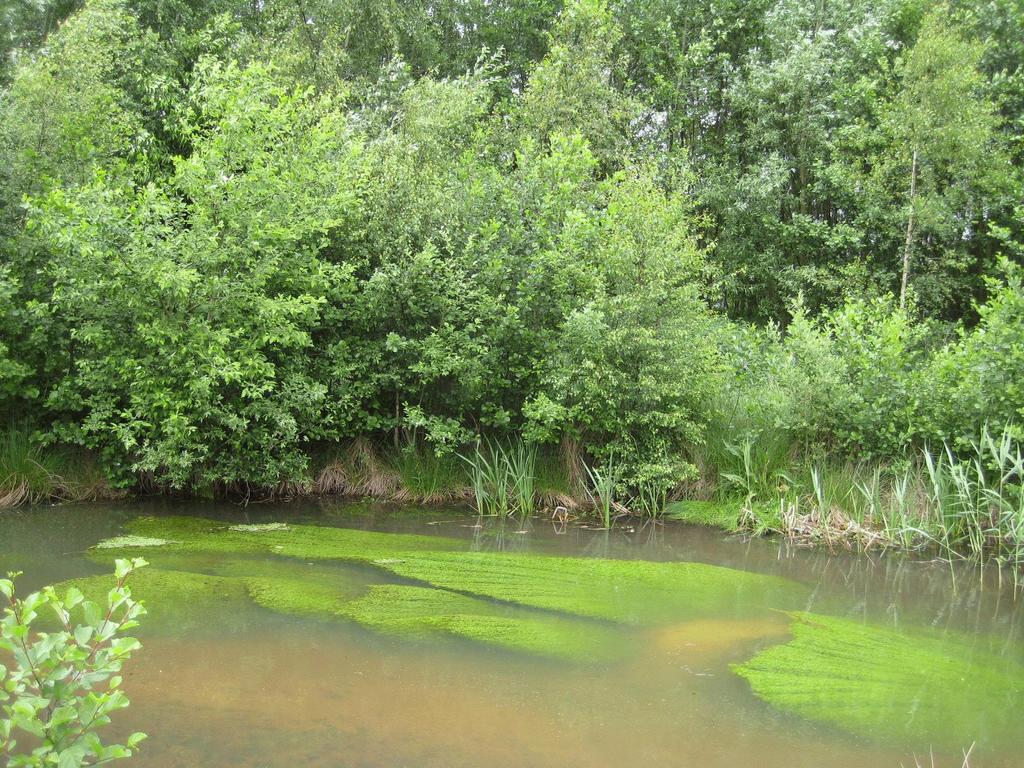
(909,242)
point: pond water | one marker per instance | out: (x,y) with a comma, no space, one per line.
(643,673)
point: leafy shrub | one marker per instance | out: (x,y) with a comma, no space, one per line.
(980,379)
(64,685)
(879,406)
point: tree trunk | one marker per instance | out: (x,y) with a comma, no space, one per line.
(909,242)
(398,416)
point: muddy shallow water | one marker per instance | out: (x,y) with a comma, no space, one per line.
(263,689)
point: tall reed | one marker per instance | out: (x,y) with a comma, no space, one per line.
(601,488)
(967,502)
(503,477)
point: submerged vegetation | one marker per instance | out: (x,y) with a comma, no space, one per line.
(557,607)
(613,590)
(883,684)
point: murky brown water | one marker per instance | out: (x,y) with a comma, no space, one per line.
(263,690)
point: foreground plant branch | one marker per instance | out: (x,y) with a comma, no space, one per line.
(63,685)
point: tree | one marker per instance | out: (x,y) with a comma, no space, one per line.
(192,302)
(943,136)
(635,363)
(578,86)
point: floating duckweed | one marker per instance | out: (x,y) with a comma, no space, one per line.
(882,684)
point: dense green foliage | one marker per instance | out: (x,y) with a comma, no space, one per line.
(62,686)
(236,236)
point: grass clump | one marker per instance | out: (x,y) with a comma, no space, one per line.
(31,473)
(28,473)
(357,470)
(556,482)
(426,477)
(882,684)
(415,473)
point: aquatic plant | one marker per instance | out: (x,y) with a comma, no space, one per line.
(283,590)
(967,503)
(632,592)
(328,593)
(64,685)
(174,598)
(883,684)
(127,542)
(258,527)
(602,487)
(502,476)
(309,542)
(620,590)
(651,498)
(411,611)
(521,458)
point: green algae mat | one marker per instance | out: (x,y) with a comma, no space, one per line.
(622,591)
(882,684)
(559,607)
